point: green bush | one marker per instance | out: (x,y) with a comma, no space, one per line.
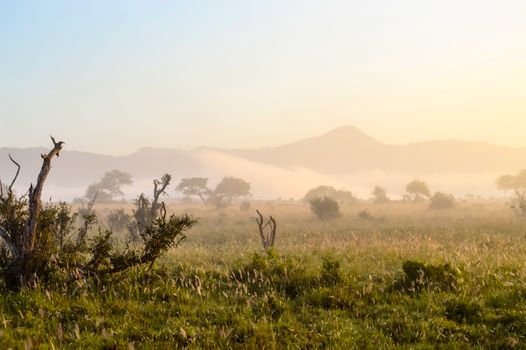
(419,275)
(331,271)
(463,311)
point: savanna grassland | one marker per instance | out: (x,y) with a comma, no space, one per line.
(377,277)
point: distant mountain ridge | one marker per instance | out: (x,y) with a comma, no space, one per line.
(344,151)
(348,149)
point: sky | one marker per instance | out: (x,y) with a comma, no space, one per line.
(113,76)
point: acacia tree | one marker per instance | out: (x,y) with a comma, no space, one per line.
(109,186)
(418,190)
(195,186)
(229,189)
(36,242)
(517,184)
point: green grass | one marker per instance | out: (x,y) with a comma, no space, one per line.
(334,284)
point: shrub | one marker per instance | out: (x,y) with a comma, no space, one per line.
(419,275)
(283,274)
(37,242)
(331,271)
(442,201)
(325,208)
(463,311)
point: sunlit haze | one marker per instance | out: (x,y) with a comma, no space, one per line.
(112,77)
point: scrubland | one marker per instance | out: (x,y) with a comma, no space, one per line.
(388,276)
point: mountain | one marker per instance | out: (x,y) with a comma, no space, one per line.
(344,157)
(348,150)
(342,150)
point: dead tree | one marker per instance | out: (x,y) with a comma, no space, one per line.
(35,244)
(147,211)
(267,231)
(20,243)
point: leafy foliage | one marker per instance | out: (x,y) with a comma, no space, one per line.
(325,208)
(61,252)
(229,189)
(109,186)
(418,190)
(195,186)
(419,275)
(341,196)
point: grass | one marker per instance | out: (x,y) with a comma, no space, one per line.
(332,284)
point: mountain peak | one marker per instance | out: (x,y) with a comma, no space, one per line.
(347,130)
(348,133)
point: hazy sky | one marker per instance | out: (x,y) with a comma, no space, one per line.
(112,76)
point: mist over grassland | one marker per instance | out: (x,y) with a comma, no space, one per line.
(344,158)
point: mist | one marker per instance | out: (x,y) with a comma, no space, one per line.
(344,158)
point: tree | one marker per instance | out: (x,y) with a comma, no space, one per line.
(418,190)
(195,186)
(147,210)
(325,208)
(380,195)
(36,244)
(109,186)
(442,201)
(341,196)
(229,189)
(516,183)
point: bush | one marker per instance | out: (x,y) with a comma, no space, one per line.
(41,243)
(442,201)
(463,311)
(325,208)
(283,274)
(419,275)
(331,273)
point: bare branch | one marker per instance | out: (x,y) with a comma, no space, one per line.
(35,195)
(267,235)
(16,175)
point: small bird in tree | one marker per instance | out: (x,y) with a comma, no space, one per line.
(58,144)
